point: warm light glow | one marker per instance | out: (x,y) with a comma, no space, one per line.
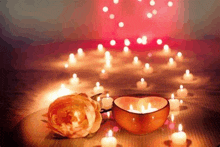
(181,86)
(142,79)
(74,76)
(170,4)
(66,65)
(111,16)
(105,9)
(172,96)
(154,11)
(115,1)
(107,54)
(144,42)
(126,49)
(149,106)
(139,40)
(180,127)
(72,57)
(147,65)
(181,101)
(179,54)
(107,95)
(62,86)
(108,114)
(121,24)
(152,2)
(172,117)
(139,0)
(149,15)
(135,59)
(171,60)
(103,71)
(110,133)
(142,108)
(108,63)
(98,98)
(144,37)
(187,72)
(126,42)
(80,51)
(166,47)
(131,107)
(159,41)
(100,47)
(97,84)
(112,42)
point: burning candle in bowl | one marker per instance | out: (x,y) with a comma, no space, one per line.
(188,76)
(133,120)
(107,102)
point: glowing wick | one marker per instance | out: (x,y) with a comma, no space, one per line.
(187,72)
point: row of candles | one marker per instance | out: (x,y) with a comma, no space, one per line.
(106,103)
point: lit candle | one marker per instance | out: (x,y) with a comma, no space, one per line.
(109,141)
(74,80)
(103,74)
(131,109)
(182,92)
(188,76)
(171,63)
(100,48)
(80,53)
(179,138)
(126,51)
(141,84)
(72,58)
(108,114)
(136,61)
(166,49)
(174,103)
(179,56)
(159,41)
(148,69)
(127,42)
(108,64)
(108,55)
(148,110)
(139,40)
(107,102)
(63,91)
(66,65)
(112,42)
(98,88)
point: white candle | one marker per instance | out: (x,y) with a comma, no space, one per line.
(166,49)
(107,102)
(171,63)
(179,138)
(182,92)
(148,110)
(148,69)
(80,53)
(103,74)
(132,110)
(188,76)
(136,61)
(109,141)
(174,103)
(179,56)
(141,84)
(72,58)
(74,80)
(98,88)
(126,51)
(100,48)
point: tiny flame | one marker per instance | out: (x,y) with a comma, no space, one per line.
(103,71)
(179,54)
(172,117)
(136,59)
(180,127)
(97,84)
(108,114)
(171,60)
(74,76)
(181,86)
(126,49)
(98,98)
(142,79)
(110,133)
(172,96)
(80,51)
(187,72)
(107,95)
(147,65)
(131,107)
(166,47)
(149,106)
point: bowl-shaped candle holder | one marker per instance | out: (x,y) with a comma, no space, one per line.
(134,114)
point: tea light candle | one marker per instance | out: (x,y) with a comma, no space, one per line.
(148,110)
(107,102)
(166,49)
(136,61)
(80,53)
(72,58)
(108,64)
(174,103)
(179,56)
(126,51)
(100,48)
(98,88)
(108,55)
(141,84)
(109,141)
(171,63)
(103,74)
(148,69)
(179,138)
(132,110)
(188,76)
(63,91)
(182,92)
(74,80)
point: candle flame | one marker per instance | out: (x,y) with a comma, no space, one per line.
(107,54)
(139,40)
(147,65)
(107,95)
(103,71)
(149,106)
(98,98)
(172,117)
(126,42)
(97,84)
(187,72)
(179,54)
(166,47)
(180,127)
(110,133)
(66,65)
(126,49)
(172,96)
(181,101)
(142,108)
(181,86)
(100,47)
(108,114)
(159,41)
(131,107)
(62,86)
(136,59)
(80,51)
(74,76)
(171,60)
(142,79)
(71,55)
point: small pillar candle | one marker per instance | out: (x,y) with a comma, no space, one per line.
(98,88)
(182,92)
(63,91)
(179,56)
(174,103)
(80,53)
(100,48)
(126,51)
(136,61)
(171,63)
(179,138)
(166,49)
(107,102)
(72,58)
(141,84)
(103,74)
(188,76)
(148,69)
(74,80)
(109,141)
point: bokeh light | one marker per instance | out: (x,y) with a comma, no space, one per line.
(121,24)
(152,2)
(159,41)
(149,15)
(112,42)
(111,16)
(105,9)
(170,4)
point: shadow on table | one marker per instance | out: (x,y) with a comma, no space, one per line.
(169,143)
